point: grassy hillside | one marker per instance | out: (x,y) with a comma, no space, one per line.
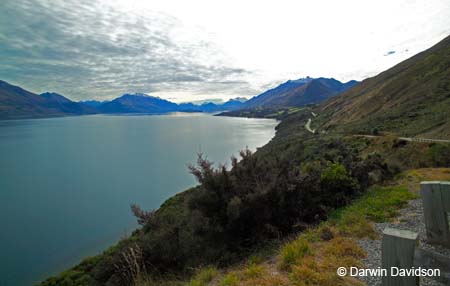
(290,185)
(412,98)
(311,258)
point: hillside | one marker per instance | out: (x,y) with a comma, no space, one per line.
(287,187)
(412,98)
(16,102)
(351,237)
(138,103)
(66,105)
(299,93)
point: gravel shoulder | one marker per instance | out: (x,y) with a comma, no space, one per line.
(410,218)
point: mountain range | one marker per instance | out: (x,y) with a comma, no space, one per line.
(16,102)
(300,92)
(411,98)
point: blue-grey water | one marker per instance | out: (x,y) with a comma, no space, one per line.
(66,184)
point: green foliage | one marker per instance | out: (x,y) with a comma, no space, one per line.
(297,179)
(263,197)
(279,113)
(293,252)
(379,204)
(229,280)
(337,185)
(253,271)
(410,99)
(204,276)
(439,154)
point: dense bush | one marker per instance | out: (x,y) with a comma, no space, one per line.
(439,154)
(232,211)
(281,189)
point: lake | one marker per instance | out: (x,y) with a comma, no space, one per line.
(66,184)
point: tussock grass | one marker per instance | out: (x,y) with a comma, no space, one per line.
(293,252)
(230,279)
(311,259)
(204,276)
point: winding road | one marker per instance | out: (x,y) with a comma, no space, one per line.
(308,126)
(409,139)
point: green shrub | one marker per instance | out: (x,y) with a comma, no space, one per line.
(439,154)
(204,276)
(337,186)
(229,280)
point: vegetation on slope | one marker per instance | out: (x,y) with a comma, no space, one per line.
(412,98)
(278,113)
(312,257)
(292,183)
(289,185)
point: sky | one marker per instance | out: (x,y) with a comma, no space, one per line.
(202,49)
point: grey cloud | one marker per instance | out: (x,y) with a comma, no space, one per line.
(88,49)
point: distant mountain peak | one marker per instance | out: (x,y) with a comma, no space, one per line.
(238,99)
(55,97)
(137,94)
(299,92)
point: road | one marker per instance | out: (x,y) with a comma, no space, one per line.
(308,126)
(409,139)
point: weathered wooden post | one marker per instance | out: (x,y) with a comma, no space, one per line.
(397,250)
(436,205)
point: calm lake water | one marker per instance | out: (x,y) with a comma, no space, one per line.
(66,184)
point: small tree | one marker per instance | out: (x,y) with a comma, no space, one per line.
(142,216)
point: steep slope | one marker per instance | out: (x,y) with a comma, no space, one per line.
(299,92)
(66,105)
(294,180)
(412,98)
(16,102)
(265,97)
(138,103)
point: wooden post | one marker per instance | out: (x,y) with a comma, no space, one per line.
(397,250)
(445,193)
(436,204)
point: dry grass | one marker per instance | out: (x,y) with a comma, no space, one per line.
(412,178)
(311,259)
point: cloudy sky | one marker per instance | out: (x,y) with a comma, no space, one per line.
(198,49)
